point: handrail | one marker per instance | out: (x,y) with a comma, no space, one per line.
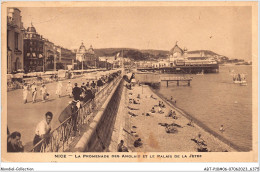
(62,133)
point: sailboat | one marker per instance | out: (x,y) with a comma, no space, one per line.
(239,79)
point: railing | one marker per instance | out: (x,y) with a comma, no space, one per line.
(62,136)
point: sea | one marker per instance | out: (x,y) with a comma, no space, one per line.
(214,100)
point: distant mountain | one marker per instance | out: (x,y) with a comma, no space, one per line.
(206,52)
(139,55)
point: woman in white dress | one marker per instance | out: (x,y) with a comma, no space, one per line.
(59,88)
(25,93)
(69,89)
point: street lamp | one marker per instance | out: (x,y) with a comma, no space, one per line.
(82,64)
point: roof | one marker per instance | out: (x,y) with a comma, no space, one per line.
(176,48)
(82,49)
(91,50)
(31,29)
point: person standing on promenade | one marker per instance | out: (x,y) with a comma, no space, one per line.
(69,89)
(43,92)
(14,143)
(83,87)
(34,92)
(59,89)
(93,84)
(43,130)
(76,92)
(87,84)
(25,92)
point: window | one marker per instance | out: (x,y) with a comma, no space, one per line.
(16,36)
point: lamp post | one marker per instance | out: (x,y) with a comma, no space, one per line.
(82,64)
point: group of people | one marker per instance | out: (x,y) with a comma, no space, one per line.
(33,88)
(43,130)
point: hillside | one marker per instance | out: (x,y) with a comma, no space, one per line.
(206,52)
(138,55)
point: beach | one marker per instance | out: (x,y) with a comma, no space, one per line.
(151,128)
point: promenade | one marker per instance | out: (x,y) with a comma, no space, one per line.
(24,117)
(134,123)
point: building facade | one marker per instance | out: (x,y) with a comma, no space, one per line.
(50,55)
(88,57)
(177,55)
(33,51)
(15,30)
(65,58)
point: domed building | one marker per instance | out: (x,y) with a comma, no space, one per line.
(88,57)
(177,54)
(33,50)
(80,56)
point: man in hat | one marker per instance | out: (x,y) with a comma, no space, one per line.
(83,87)
(76,92)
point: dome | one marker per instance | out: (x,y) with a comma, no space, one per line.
(31,29)
(91,50)
(82,49)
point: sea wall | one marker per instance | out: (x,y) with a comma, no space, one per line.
(97,138)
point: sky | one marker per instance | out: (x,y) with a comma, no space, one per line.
(224,30)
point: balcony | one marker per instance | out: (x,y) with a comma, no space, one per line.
(11,22)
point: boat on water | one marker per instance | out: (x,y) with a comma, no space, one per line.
(239,79)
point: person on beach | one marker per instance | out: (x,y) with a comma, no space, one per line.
(43,92)
(162,105)
(25,93)
(69,89)
(34,92)
(202,146)
(221,129)
(121,147)
(152,110)
(76,92)
(171,98)
(135,101)
(190,123)
(171,114)
(43,130)
(14,143)
(160,110)
(138,143)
